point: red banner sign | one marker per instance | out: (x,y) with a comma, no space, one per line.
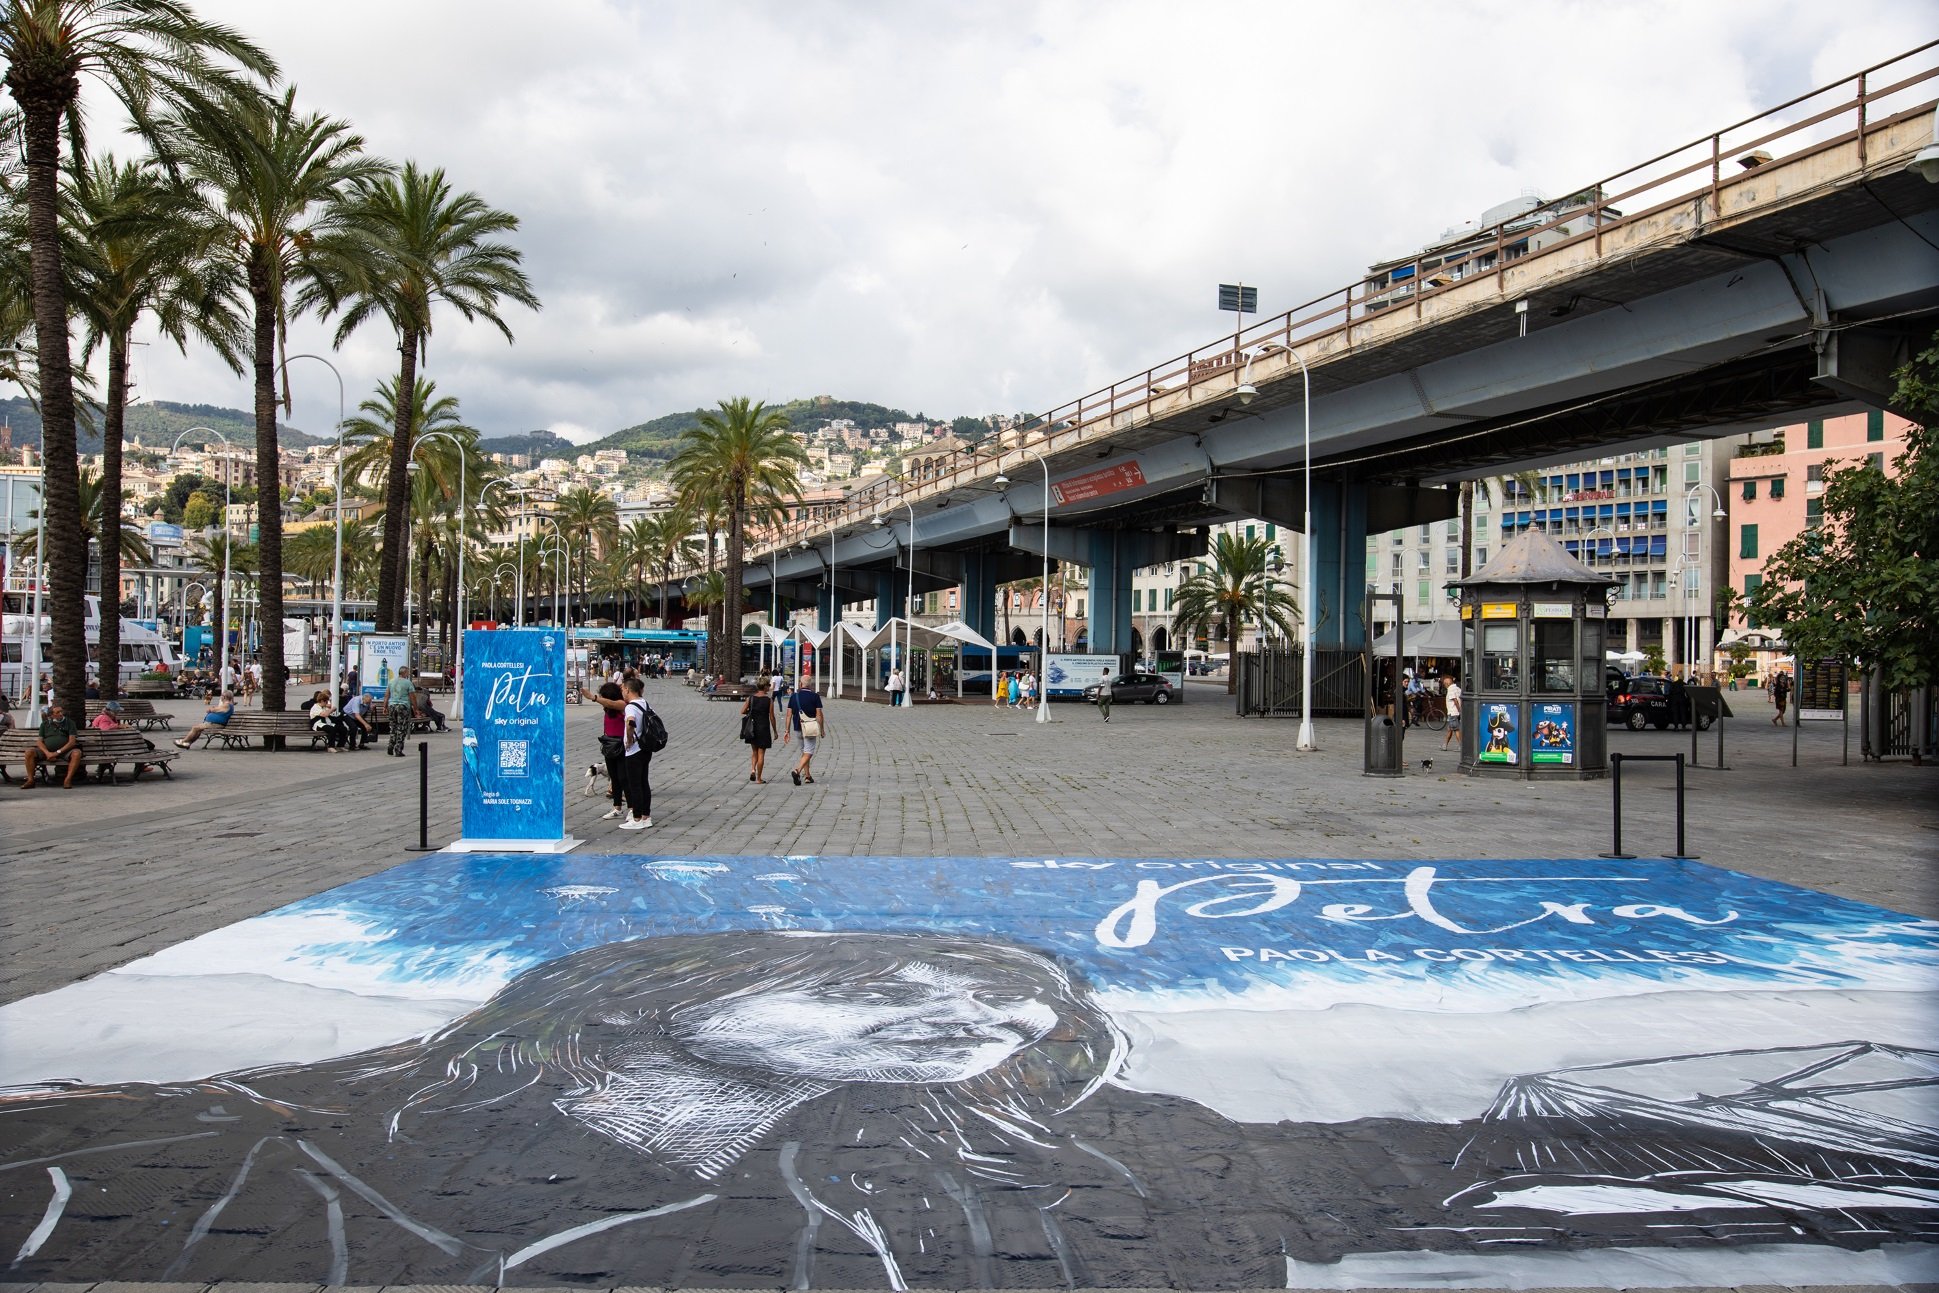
(1096,484)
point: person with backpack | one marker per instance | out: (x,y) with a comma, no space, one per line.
(644,734)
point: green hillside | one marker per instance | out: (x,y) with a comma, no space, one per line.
(660,438)
(155,424)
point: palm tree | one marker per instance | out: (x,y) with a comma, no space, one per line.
(137,254)
(271,178)
(743,459)
(146,51)
(594,518)
(1238,587)
(669,546)
(707,594)
(430,247)
(369,438)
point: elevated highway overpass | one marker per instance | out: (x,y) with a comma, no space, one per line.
(1776,269)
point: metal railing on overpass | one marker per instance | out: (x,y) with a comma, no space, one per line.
(1842,114)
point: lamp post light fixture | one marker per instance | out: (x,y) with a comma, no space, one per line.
(458,636)
(909,623)
(1717,513)
(337,645)
(518,516)
(228,470)
(1247,392)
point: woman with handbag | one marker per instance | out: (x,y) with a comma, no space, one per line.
(758,727)
(807,718)
(612,746)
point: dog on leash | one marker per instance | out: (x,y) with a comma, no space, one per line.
(594,776)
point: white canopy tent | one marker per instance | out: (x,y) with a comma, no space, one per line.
(898,632)
(1426,638)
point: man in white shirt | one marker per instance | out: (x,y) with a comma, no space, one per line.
(228,674)
(1451,693)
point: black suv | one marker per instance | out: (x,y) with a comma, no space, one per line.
(1637,703)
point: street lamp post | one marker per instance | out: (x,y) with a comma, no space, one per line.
(337,644)
(909,622)
(1717,514)
(1246,393)
(518,517)
(458,635)
(497,575)
(228,470)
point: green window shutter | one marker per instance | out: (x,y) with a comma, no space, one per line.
(1272,532)
(1747,541)
(1777,487)
(1814,434)
(1751,584)
(1750,491)
(1875,425)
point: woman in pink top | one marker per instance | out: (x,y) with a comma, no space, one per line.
(612,745)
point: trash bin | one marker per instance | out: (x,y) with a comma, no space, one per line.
(1382,758)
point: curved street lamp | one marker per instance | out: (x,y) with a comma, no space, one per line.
(1246,392)
(1043,646)
(228,470)
(337,645)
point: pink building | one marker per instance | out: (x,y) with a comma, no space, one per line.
(1776,488)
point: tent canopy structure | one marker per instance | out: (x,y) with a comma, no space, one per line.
(1429,637)
(919,636)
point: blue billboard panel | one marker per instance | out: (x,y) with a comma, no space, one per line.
(514,734)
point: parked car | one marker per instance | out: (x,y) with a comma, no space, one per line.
(1641,702)
(1125,688)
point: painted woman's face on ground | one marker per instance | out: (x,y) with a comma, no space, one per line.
(923,1023)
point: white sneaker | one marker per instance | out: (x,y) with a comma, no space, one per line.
(636,824)
(616,810)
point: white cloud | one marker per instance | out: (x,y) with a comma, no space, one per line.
(977,208)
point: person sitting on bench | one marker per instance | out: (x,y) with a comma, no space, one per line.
(217,716)
(59,741)
(421,709)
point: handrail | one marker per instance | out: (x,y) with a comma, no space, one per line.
(1334,315)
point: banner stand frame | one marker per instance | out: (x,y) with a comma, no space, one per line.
(564,844)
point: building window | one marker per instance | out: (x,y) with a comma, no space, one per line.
(1427,559)
(1751,584)
(1692,472)
(1814,513)
(1875,461)
(1747,542)
(1249,533)
(1815,473)
(1777,487)
(1814,434)
(1168,599)
(1399,563)
(1452,565)
(1272,532)
(1875,425)
(1750,491)
(1480,557)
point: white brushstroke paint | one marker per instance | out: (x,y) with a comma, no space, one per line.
(566,1236)
(56,1205)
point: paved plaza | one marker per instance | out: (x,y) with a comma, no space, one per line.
(96,876)
(1554,1026)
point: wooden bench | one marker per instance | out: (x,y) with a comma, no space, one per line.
(246,723)
(98,749)
(136,713)
(378,712)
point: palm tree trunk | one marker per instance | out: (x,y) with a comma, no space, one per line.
(397,491)
(43,95)
(730,606)
(269,510)
(112,427)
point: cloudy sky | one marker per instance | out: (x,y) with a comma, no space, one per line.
(975,207)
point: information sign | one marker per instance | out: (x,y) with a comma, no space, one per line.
(1822,689)
(381,657)
(1069,675)
(514,742)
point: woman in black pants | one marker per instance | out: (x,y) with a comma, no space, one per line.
(612,746)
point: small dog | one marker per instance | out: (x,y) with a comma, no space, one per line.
(594,775)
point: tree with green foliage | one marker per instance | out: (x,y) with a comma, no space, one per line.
(425,246)
(149,53)
(1237,586)
(742,459)
(1862,587)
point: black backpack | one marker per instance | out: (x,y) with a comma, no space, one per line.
(653,731)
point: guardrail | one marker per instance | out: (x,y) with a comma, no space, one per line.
(1831,116)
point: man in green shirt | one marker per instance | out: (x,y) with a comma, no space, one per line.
(59,739)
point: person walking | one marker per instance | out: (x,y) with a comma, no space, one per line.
(611,698)
(1780,696)
(1104,695)
(637,769)
(808,720)
(896,687)
(999,688)
(759,726)
(1451,690)
(397,707)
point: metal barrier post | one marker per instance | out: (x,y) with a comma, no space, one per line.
(1680,852)
(423,798)
(1616,797)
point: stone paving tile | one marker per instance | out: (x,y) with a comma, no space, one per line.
(94,879)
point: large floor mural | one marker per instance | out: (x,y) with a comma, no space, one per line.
(999,1073)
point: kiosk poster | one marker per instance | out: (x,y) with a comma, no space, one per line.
(1500,739)
(514,734)
(1552,739)
(381,657)
(944,1073)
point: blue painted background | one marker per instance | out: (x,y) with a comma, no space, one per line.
(514,734)
(1453,934)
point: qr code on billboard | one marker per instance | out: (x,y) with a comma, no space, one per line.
(511,758)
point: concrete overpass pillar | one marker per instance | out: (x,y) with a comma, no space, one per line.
(827,607)
(885,586)
(1339,563)
(1110,609)
(979,594)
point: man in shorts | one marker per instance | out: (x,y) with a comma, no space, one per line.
(805,703)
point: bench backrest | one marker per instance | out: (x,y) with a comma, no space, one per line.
(19,740)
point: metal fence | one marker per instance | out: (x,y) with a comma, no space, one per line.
(1269,683)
